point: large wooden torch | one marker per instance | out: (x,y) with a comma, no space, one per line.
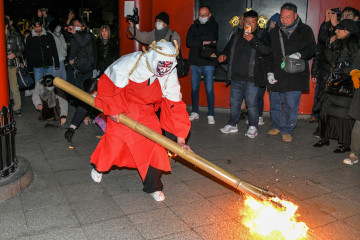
(191,157)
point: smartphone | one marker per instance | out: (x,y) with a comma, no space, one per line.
(247,29)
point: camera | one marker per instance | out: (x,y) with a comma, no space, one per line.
(135,17)
(336,11)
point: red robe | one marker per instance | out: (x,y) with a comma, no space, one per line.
(122,146)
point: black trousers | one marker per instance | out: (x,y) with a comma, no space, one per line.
(152,182)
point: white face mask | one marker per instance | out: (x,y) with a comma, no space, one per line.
(159,25)
(52,88)
(203,20)
(57,29)
(77,28)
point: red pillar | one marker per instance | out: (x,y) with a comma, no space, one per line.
(146,23)
(4,83)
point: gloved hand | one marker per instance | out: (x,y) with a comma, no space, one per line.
(271,78)
(95,73)
(296,55)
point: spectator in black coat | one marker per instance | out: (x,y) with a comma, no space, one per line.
(40,51)
(107,49)
(285,88)
(204,31)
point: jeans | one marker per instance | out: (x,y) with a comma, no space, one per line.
(239,90)
(61,72)
(208,73)
(261,94)
(284,110)
(39,73)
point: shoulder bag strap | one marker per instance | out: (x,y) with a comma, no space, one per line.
(282,43)
(172,32)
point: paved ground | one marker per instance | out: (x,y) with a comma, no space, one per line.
(64,203)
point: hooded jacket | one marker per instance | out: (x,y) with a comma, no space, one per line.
(40,50)
(197,34)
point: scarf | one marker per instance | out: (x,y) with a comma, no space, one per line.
(288,30)
(161,34)
(48,96)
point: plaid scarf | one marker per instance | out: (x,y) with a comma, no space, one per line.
(289,29)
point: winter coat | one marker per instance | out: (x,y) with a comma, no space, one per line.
(40,50)
(343,55)
(106,53)
(302,40)
(60,96)
(149,37)
(197,34)
(83,51)
(15,45)
(60,46)
(237,44)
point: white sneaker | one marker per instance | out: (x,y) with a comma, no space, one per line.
(96,176)
(229,129)
(251,132)
(211,120)
(194,116)
(158,196)
(260,122)
(28,93)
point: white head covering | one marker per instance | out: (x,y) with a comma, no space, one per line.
(141,66)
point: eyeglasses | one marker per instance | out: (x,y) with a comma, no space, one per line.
(347,16)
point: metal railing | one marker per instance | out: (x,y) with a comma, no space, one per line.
(8,160)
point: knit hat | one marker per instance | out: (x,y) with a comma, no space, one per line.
(163,16)
(348,25)
(274,18)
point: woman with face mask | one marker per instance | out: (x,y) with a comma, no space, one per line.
(55,31)
(161,31)
(49,101)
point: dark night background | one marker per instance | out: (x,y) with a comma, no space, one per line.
(103,12)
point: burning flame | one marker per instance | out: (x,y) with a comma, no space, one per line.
(264,219)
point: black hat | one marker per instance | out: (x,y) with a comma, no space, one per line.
(163,16)
(348,25)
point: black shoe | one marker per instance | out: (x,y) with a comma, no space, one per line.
(321,143)
(17,112)
(69,134)
(342,149)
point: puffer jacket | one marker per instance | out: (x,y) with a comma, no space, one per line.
(15,45)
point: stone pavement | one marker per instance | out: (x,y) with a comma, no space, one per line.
(64,203)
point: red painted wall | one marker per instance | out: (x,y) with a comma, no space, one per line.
(4,83)
(181,14)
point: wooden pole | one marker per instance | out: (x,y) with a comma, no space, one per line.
(189,156)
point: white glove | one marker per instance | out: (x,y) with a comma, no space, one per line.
(271,78)
(296,55)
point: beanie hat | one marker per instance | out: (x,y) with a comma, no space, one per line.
(163,16)
(348,25)
(275,18)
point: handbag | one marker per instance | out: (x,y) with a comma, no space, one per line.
(183,65)
(290,65)
(24,78)
(340,84)
(209,51)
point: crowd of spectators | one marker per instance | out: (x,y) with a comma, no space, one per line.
(256,60)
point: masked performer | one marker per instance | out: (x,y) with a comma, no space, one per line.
(138,84)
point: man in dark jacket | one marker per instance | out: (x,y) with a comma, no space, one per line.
(14,49)
(285,88)
(40,51)
(245,51)
(204,31)
(82,54)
